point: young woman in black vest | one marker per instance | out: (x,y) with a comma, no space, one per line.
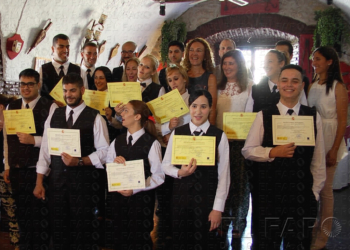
(200,67)
(199,192)
(131,211)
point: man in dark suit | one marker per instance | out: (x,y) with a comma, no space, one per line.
(89,53)
(52,72)
(128,51)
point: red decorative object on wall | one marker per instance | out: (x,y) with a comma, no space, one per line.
(254,7)
(14,45)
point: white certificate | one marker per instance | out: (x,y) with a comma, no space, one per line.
(64,140)
(130,176)
(297,129)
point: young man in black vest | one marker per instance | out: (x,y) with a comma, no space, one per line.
(128,51)
(21,155)
(73,181)
(175,54)
(89,53)
(288,178)
(52,72)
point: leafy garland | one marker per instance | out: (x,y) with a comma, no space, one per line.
(331,28)
(171,31)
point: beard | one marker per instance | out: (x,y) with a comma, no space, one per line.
(75,102)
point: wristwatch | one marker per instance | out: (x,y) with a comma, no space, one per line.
(80,163)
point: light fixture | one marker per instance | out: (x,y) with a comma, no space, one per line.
(238,2)
(162,8)
(329,2)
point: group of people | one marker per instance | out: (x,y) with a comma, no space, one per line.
(290,186)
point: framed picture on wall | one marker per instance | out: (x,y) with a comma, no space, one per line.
(40,61)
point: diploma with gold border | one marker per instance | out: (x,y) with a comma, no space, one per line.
(19,120)
(96,99)
(64,140)
(57,92)
(123,92)
(130,176)
(297,129)
(168,106)
(236,125)
(201,148)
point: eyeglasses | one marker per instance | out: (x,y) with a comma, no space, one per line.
(127,52)
(28,84)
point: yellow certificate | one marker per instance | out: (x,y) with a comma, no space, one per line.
(57,92)
(168,106)
(201,148)
(96,99)
(130,176)
(297,129)
(236,125)
(123,92)
(19,120)
(64,140)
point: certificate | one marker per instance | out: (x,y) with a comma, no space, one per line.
(168,106)
(64,140)
(123,92)
(201,148)
(130,176)
(57,92)
(19,120)
(236,125)
(297,129)
(96,99)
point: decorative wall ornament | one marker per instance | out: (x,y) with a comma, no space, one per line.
(40,36)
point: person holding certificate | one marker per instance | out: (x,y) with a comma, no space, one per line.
(131,211)
(21,152)
(73,181)
(288,178)
(233,92)
(131,69)
(329,95)
(200,67)
(199,192)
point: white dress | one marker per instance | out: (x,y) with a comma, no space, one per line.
(231,99)
(326,107)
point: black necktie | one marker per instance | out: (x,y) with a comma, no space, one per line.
(61,74)
(197,133)
(143,84)
(274,89)
(27,106)
(70,119)
(91,82)
(129,142)
(290,111)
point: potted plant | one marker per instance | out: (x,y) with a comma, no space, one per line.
(331,29)
(172,30)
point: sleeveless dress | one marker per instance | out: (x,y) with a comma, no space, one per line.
(326,107)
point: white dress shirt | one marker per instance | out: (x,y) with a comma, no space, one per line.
(83,74)
(101,142)
(253,150)
(154,158)
(223,162)
(37,139)
(250,103)
(185,119)
(57,66)
(148,82)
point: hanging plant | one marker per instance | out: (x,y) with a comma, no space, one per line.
(171,31)
(331,29)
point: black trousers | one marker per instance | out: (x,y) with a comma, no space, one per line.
(32,213)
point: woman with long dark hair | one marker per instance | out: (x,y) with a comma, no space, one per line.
(329,95)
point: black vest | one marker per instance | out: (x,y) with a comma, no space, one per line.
(26,155)
(138,151)
(85,123)
(262,95)
(204,180)
(118,74)
(51,78)
(298,167)
(162,80)
(151,92)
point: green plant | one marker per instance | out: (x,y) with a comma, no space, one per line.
(331,28)
(171,30)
